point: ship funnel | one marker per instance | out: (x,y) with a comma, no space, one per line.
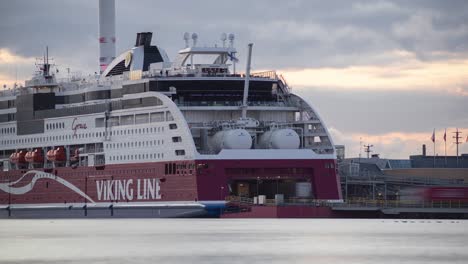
(143,39)
(106,33)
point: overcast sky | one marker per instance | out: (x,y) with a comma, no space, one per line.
(386,72)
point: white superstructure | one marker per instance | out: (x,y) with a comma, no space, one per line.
(145,108)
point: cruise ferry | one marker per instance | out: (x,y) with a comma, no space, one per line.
(151,137)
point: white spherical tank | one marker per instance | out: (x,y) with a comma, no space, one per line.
(280,139)
(231,139)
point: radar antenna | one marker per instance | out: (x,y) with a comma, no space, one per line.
(231,38)
(186,38)
(194,38)
(368,150)
(223,39)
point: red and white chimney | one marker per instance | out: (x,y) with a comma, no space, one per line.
(106,33)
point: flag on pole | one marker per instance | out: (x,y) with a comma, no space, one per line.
(433,136)
(445,135)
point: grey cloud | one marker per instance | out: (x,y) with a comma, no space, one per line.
(378,112)
(286,33)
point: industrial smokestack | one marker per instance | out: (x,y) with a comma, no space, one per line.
(424,149)
(106,33)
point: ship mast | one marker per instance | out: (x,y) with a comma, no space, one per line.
(368,150)
(247,80)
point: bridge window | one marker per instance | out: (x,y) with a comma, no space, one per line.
(169,116)
(157,117)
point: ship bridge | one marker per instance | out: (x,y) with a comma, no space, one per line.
(198,61)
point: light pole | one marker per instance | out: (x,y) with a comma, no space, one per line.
(258,182)
(277,184)
(221,189)
(86,193)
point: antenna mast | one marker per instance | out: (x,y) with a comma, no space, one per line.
(367,149)
(246,84)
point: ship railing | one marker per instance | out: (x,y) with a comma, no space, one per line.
(283,80)
(424,180)
(405,179)
(315,131)
(99,162)
(232,103)
(4,156)
(92,150)
(432,204)
(40,81)
(189,72)
(10,92)
(265,74)
(241,200)
(355,203)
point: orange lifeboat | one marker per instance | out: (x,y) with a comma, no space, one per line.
(50,155)
(18,157)
(14,157)
(28,156)
(57,155)
(35,156)
(60,155)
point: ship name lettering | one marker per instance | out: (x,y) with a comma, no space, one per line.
(77,126)
(123,190)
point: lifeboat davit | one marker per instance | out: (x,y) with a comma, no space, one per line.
(76,156)
(34,156)
(18,157)
(57,155)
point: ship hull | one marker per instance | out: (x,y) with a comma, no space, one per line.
(193,188)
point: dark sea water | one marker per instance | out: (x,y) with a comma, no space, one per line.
(233,241)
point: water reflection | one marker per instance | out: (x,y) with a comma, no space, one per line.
(233,241)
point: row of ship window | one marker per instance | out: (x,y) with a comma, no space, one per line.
(145,130)
(135,144)
(87,135)
(137,156)
(50,138)
(59,125)
(142,143)
(135,119)
(109,172)
(8,130)
(178,152)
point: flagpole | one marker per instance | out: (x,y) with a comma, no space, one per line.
(445,141)
(433,141)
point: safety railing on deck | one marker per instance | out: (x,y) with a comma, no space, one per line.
(446,204)
(265,74)
(363,203)
(288,88)
(272,202)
